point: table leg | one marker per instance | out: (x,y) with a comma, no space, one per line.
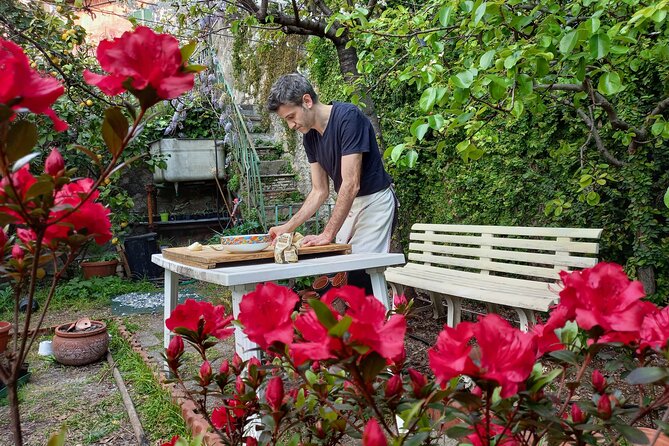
(170,301)
(379,286)
(245,348)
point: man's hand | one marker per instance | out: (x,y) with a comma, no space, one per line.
(317,240)
(276,231)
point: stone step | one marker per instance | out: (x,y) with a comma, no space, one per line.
(274,167)
(278,182)
(269,153)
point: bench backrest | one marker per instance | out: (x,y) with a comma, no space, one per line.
(512,251)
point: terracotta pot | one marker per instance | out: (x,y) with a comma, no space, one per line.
(320,283)
(80,347)
(662,440)
(340,279)
(99,269)
(4,335)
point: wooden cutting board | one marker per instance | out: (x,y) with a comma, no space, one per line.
(210,258)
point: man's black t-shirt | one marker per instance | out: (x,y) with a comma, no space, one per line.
(348,131)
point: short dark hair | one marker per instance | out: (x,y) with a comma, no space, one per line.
(289,89)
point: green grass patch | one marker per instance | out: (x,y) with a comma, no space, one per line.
(160,417)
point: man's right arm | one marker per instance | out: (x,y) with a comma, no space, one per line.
(316,197)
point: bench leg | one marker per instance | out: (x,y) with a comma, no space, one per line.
(397,290)
(437,305)
(526,317)
(492,308)
(454,310)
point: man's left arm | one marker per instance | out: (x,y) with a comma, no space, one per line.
(351,169)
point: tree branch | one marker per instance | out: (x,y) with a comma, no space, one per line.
(370,7)
(323,7)
(659,108)
(595,135)
(296,11)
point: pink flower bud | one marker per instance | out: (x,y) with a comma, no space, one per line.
(399,299)
(274,394)
(604,407)
(17,252)
(394,386)
(373,435)
(598,381)
(253,362)
(418,381)
(250,441)
(240,387)
(576,414)
(315,366)
(236,362)
(205,373)
(176,348)
(225,368)
(477,391)
(172,442)
(55,164)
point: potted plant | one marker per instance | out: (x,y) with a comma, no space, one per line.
(99,264)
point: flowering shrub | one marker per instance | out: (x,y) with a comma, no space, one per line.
(49,216)
(328,375)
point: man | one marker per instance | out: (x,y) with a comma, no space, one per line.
(340,144)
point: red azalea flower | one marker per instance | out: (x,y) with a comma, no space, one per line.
(418,382)
(577,414)
(507,354)
(604,406)
(394,386)
(318,346)
(190,314)
(17,252)
(655,330)
(266,314)
(175,348)
(369,326)
(598,381)
(373,435)
(23,87)
(250,441)
(274,393)
(449,357)
(547,340)
(141,60)
(20,181)
(484,432)
(604,296)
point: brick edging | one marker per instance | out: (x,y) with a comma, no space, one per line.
(196,423)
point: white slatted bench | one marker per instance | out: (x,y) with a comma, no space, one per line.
(496,265)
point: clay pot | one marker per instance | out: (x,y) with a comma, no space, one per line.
(4,335)
(339,279)
(320,283)
(662,440)
(80,347)
(99,269)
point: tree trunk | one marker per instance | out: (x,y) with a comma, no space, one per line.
(348,61)
(646,275)
(15,420)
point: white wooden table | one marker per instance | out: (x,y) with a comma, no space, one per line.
(243,279)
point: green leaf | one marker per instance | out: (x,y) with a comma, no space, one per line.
(188,50)
(340,328)
(486,59)
(666,198)
(428,99)
(58,439)
(114,129)
(397,152)
(592,198)
(436,122)
(193,68)
(21,138)
(565,356)
(632,434)
(463,79)
(609,83)
(568,42)
(479,13)
(445,14)
(592,25)
(421,130)
(647,375)
(323,313)
(412,157)
(512,60)
(371,365)
(40,188)
(599,45)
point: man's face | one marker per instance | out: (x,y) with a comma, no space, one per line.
(298,117)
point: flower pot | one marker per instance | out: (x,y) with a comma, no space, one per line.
(4,335)
(80,347)
(662,440)
(99,269)
(164,216)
